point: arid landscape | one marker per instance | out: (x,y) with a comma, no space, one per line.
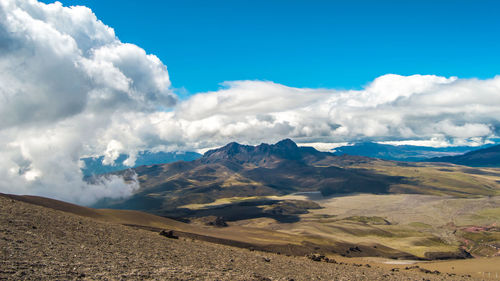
(384,208)
(435,220)
(237,210)
(249,140)
(40,243)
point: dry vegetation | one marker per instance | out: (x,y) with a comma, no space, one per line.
(38,243)
(411,223)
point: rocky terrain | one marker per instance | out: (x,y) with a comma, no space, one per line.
(39,243)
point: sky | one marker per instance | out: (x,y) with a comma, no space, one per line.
(308,44)
(109,78)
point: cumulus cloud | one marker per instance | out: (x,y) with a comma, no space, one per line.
(65,78)
(391,108)
(424,109)
(70,88)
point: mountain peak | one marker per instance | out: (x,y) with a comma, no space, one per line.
(284,149)
(286,143)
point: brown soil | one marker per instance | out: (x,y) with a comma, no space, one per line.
(39,243)
(236,236)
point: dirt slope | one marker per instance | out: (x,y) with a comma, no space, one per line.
(38,243)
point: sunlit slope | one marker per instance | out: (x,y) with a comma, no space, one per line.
(427,226)
(438,179)
(240,236)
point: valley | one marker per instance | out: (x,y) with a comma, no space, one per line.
(297,202)
(351,206)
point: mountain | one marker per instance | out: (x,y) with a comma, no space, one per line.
(94,165)
(486,157)
(241,182)
(237,170)
(400,152)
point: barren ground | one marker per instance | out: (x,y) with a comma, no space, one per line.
(39,243)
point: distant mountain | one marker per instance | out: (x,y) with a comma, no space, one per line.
(264,154)
(401,152)
(486,157)
(237,170)
(94,166)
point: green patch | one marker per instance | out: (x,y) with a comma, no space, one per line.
(493,213)
(222,202)
(429,242)
(419,225)
(482,237)
(324,216)
(369,220)
(290,207)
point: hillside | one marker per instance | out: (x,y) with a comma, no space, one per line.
(240,171)
(39,243)
(487,157)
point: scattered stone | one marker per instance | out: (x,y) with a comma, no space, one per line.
(169,234)
(429,271)
(412,267)
(116,251)
(218,222)
(315,257)
(320,258)
(354,249)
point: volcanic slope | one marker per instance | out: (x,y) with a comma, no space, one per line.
(38,243)
(242,171)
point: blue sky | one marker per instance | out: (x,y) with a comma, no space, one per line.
(71,89)
(330,44)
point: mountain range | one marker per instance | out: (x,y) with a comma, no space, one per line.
(95,166)
(238,171)
(486,157)
(402,152)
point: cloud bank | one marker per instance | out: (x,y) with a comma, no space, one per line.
(419,108)
(70,88)
(65,80)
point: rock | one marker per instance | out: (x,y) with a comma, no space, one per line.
(315,257)
(319,258)
(355,249)
(169,234)
(220,222)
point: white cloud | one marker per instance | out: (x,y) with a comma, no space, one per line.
(65,82)
(70,88)
(391,108)
(322,146)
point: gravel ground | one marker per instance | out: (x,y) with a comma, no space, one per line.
(38,243)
